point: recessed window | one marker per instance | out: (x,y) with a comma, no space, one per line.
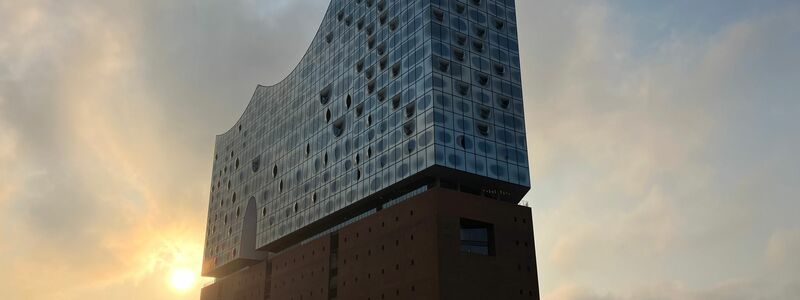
(442,65)
(479,31)
(503,102)
(482,128)
(459,7)
(438,15)
(382,63)
(370,72)
(410,110)
(325,95)
(256,163)
(499,69)
(477,46)
(382,19)
(274,170)
(370,29)
(458,54)
(338,127)
(381,49)
(382,95)
(237,163)
(348,101)
(327,115)
(477,237)
(462,88)
(499,24)
(360,66)
(484,112)
(482,79)
(359,110)
(408,128)
(460,39)
(396,101)
(411,145)
(396,69)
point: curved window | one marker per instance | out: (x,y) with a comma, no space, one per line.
(338,128)
(325,95)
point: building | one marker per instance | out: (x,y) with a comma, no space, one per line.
(387,165)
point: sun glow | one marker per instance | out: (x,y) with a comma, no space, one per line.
(182,279)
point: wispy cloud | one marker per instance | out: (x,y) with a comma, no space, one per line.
(647,182)
(107,117)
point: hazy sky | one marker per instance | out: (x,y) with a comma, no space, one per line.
(664,138)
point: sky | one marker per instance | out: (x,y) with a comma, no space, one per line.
(663,137)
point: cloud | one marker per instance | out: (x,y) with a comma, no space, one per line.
(733,290)
(647,182)
(107,117)
(782,247)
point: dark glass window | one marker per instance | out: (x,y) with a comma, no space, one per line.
(477,237)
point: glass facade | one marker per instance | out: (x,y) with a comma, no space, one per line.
(386,90)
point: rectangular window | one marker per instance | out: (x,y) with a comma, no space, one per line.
(477,237)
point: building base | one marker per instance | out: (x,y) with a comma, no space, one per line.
(440,244)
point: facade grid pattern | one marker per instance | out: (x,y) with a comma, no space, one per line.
(386,90)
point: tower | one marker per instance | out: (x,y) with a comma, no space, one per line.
(387,165)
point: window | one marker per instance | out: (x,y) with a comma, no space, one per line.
(477,237)
(325,95)
(256,164)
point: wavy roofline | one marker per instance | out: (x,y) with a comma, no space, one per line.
(296,66)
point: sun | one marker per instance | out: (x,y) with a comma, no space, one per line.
(182,279)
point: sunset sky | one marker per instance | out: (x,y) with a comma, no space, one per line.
(664,139)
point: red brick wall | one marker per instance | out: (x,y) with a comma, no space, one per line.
(302,272)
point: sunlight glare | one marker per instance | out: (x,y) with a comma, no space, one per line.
(182,279)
